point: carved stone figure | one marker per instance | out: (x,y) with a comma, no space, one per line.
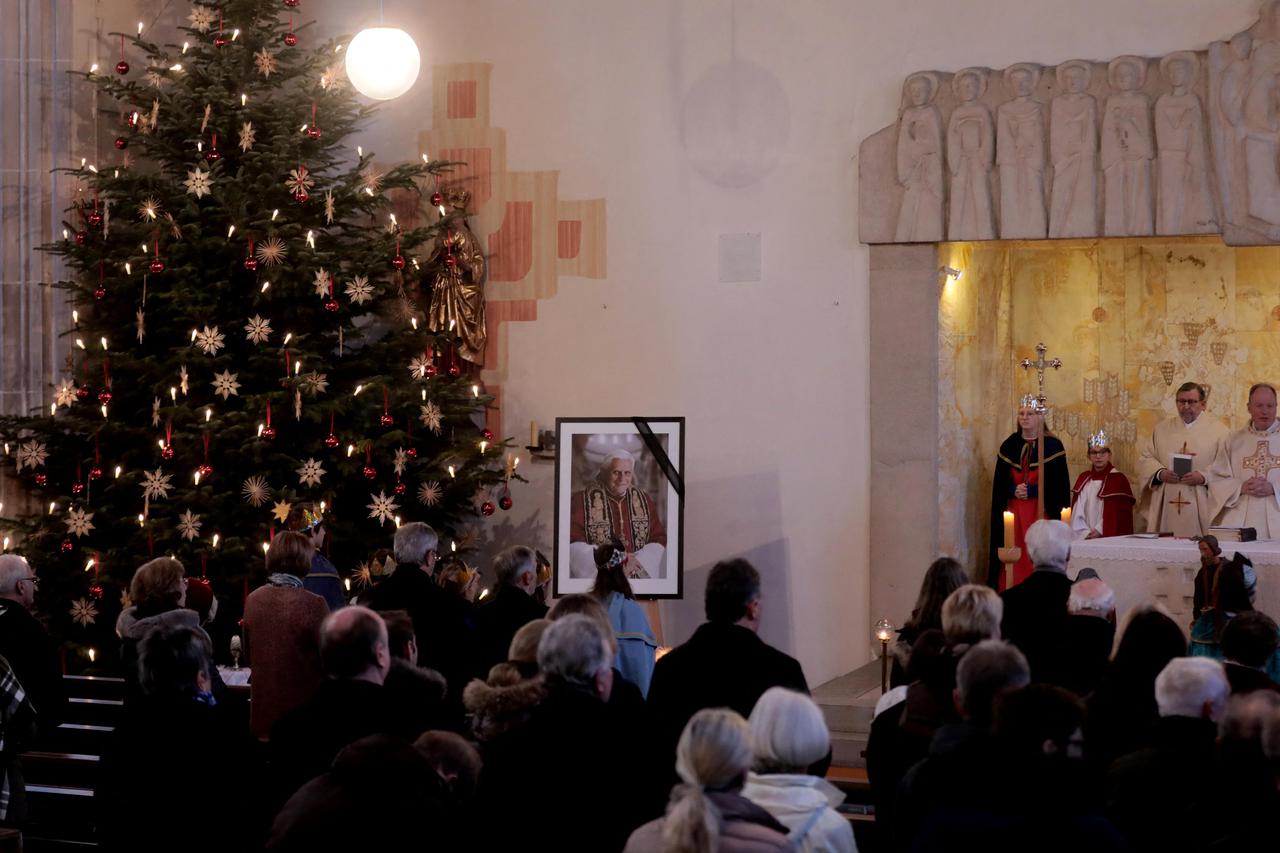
(1127,151)
(970,153)
(920,156)
(1021,156)
(1230,130)
(1262,126)
(1073,147)
(1185,202)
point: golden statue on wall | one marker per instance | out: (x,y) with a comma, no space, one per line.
(456,272)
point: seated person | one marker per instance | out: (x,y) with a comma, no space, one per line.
(1249,651)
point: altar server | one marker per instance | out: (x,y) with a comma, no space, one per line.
(1101,500)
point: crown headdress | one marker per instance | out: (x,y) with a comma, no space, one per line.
(1099,440)
(1030,401)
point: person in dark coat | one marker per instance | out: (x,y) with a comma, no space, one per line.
(1174,774)
(175,749)
(579,747)
(1249,643)
(1122,709)
(322,578)
(441,622)
(510,608)
(1090,635)
(724,664)
(350,704)
(26,645)
(1035,611)
(403,802)
(419,695)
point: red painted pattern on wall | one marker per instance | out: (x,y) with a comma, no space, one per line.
(568,239)
(511,246)
(462,99)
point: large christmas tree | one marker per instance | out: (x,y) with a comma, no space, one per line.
(250,330)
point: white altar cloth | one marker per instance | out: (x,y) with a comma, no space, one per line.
(1164,570)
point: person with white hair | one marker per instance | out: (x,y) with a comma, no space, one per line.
(611,506)
(578,743)
(1035,611)
(1090,634)
(26,645)
(1174,773)
(788,735)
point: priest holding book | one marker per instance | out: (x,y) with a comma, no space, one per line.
(1185,456)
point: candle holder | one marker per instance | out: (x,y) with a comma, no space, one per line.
(883,631)
(1009,556)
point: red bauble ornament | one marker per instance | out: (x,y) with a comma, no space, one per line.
(82,392)
(77,488)
(431,371)
(399,488)
(397,262)
(99,292)
(370,472)
(269,433)
(290,39)
(104,396)
(505,502)
(251,264)
(486,508)
(220,40)
(95,473)
(437,199)
(122,67)
(213,155)
(167,453)
(41,479)
(81,237)
(314,132)
(301,196)
(157,266)
(331,305)
(95,592)
(94,218)
(386,420)
(66,545)
(454,371)
(331,441)
(450,261)
(292,4)
(121,143)
(411,452)
(205,470)
(486,434)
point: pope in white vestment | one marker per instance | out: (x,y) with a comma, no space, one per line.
(1184,506)
(1250,496)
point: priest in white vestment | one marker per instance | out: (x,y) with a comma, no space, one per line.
(1184,505)
(1249,497)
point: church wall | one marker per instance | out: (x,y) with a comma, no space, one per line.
(631,103)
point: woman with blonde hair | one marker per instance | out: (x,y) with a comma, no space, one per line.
(707,813)
(282,632)
(788,735)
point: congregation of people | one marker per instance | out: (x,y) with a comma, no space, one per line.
(415,718)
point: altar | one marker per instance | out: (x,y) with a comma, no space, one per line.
(1163,570)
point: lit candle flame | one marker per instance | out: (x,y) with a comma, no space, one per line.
(161,443)
(177,66)
(6,543)
(216,539)
(173,393)
(118,469)
(53,409)
(93,655)
(89,565)
(139,27)
(451,472)
(288,337)
(244,99)
(104,410)
(231,231)
(185,45)
(80,343)
(359,388)
(274,214)
(266,546)
(265,285)
(484,445)
(104,342)
(347,583)
(413,321)
(92,70)
(351,448)
(260,428)
(52,507)
(208,413)
(483,593)
(128,270)
(197,478)
(397,521)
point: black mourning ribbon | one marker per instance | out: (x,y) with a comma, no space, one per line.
(664,461)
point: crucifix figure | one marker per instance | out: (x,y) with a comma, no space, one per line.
(1040,365)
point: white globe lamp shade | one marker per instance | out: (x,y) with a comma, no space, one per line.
(382,62)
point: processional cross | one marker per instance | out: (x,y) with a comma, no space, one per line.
(1040,365)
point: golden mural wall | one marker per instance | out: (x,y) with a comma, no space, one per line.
(1131,320)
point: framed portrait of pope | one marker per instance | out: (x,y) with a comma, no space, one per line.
(620,483)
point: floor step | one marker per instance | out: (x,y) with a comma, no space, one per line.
(79,738)
(102,712)
(60,812)
(60,768)
(93,686)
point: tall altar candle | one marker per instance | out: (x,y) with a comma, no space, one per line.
(1066,515)
(533,434)
(1008,529)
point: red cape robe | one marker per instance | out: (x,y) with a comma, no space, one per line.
(1117,500)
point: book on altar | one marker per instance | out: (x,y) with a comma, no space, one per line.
(1234,534)
(1182,464)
